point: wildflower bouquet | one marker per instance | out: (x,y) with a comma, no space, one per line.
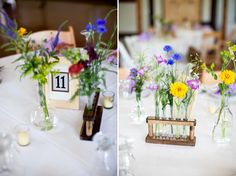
(137,79)
(87,63)
(38,64)
(172,87)
(227,77)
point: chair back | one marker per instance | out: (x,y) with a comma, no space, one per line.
(67,37)
(125,60)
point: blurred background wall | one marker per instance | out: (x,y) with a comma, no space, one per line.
(37,15)
(210,12)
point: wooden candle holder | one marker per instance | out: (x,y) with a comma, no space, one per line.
(91,120)
(188,140)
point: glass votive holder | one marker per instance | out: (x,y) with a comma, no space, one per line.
(108,98)
(22,135)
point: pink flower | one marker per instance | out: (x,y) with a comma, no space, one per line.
(140,72)
(160,59)
(153,87)
(194,84)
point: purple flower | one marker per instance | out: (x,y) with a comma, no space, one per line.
(101,29)
(90,27)
(9,22)
(232,89)
(176,56)
(112,59)
(217,92)
(170,62)
(55,40)
(160,59)
(7,31)
(146,68)
(167,48)
(133,73)
(193,84)
(140,72)
(92,53)
(132,84)
(153,87)
(101,22)
(10,26)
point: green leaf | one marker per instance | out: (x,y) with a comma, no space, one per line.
(233,48)
(212,66)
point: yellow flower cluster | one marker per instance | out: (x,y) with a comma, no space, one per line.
(178,89)
(22,31)
(228,77)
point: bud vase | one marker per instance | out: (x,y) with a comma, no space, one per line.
(223,127)
(90,102)
(42,117)
(137,114)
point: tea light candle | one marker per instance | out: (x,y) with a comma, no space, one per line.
(108,98)
(212,109)
(23,136)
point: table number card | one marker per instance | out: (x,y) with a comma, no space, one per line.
(61,87)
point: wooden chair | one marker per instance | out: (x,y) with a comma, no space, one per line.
(125,59)
(67,37)
(207,79)
(232,35)
(211,47)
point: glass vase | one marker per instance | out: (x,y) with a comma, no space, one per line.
(137,114)
(223,127)
(106,152)
(90,102)
(42,117)
(6,153)
(178,116)
(157,105)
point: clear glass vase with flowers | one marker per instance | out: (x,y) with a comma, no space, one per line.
(223,126)
(87,65)
(34,62)
(176,89)
(137,78)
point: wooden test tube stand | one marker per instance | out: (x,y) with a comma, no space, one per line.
(189,141)
(91,120)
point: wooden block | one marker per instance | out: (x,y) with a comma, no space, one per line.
(192,132)
(96,125)
(187,142)
(90,115)
(150,129)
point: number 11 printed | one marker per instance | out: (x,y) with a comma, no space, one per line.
(60,82)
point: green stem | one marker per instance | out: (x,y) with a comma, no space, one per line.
(223,130)
(90,102)
(157,115)
(138,99)
(43,101)
(219,115)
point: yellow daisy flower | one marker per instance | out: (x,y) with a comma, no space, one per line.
(22,31)
(227,76)
(178,89)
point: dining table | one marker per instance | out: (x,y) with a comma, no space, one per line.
(153,43)
(206,158)
(60,151)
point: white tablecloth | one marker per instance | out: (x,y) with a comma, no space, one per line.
(205,159)
(58,152)
(184,39)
